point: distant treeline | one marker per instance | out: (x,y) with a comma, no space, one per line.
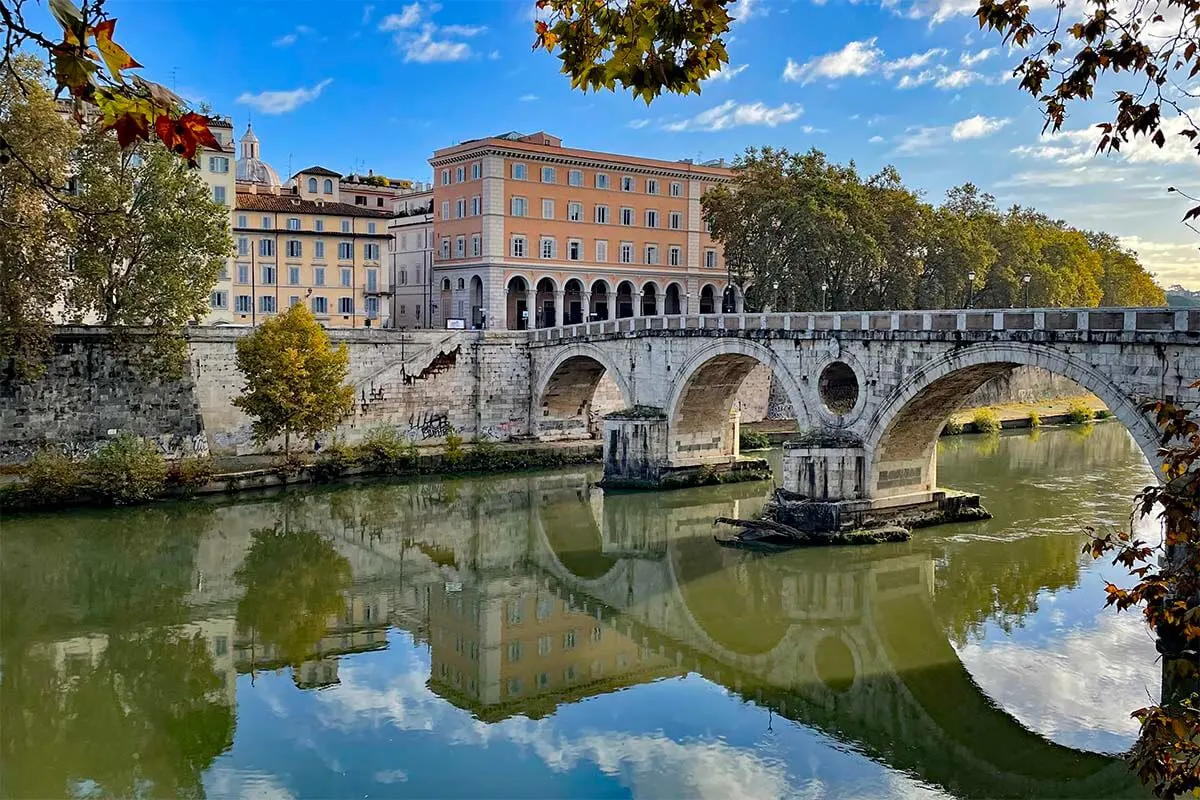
(791,224)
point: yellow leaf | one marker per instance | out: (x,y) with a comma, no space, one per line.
(114,55)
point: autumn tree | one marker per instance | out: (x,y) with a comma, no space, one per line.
(294,379)
(151,243)
(35,229)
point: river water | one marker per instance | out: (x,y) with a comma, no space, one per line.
(532,636)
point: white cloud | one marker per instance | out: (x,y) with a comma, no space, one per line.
(856,59)
(462,31)
(957,79)
(425,49)
(942,77)
(1169,262)
(528,98)
(914,61)
(743,10)
(281,102)
(920,139)
(368,10)
(408,17)
(971,59)
(637,124)
(732,114)
(727,73)
(876,139)
(289,39)
(494,55)
(976,127)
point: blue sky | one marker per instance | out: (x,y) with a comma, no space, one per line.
(381,84)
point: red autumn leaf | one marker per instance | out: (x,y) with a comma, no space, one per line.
(130,128)
(197,126)
(184,135)
(114,55)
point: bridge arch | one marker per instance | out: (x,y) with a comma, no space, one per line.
(704,389)
(901,435)
(565,389)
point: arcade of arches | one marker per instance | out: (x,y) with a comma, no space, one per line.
(547,303)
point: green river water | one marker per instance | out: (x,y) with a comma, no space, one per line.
(533,636)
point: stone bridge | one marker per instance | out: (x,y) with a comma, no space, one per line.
(870,390)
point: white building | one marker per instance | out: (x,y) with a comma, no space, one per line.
(411,254)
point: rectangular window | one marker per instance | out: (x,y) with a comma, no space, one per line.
(601,250)
(674,256)
(569,640)
(219,300)
(294,300)
(218,164)
(476,206)
(676,189)
(548,175)
(626,252)
(460,247)
(445,177)
(266,304)
(347,276)
(460,174)
(476,246)
(627,183)
(519,207)
(518,247)
(294,248)
(371,251)
(575,212)
(224,276)
(372,280)
(445,247)
(544,646)
(266,247)
(626,216)
(242,223)
(372,307)
(345,251)
(219,194)
(445,209)
(710,259)
(293,224)
(319,225)
(601,180)
(651,186)
(293,276)
(268,274)
(243,246)
(318,250)
(476,171)
(244,304)
(547,208)
(320,305)
(574,250)
(675,221)
(651,254)
(518,172)
(651,218)
(575,177)
(549,247)
(345,305)
(602,215)
(460,208)
(266,223)
(346,226)
(370,227)
(318,276)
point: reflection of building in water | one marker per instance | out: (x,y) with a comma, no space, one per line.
(509,647)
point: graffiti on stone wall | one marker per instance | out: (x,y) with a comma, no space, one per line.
(503,431)
(428,425)
(778,405)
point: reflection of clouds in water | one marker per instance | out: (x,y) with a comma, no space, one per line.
(1077,690)
(391,776)
(227,782)
(649,764)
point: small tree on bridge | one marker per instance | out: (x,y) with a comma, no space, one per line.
(293,378)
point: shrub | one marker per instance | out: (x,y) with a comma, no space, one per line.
(1035,421)
(484,455)
(454,448)
(1079,413)
(952,427)
(384,449)
(127,470)
(190,474)
(753,440)
(52,477)
(986,421)
(334,461)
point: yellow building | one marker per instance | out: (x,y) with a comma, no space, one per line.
(295,246)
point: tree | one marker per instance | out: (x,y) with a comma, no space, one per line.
(293,377)
(155,261)
(34,227)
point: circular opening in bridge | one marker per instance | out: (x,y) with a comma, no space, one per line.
(835,664)
(838,387)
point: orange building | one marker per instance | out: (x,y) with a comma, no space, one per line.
(533,234)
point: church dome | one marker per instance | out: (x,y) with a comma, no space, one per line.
(251,168)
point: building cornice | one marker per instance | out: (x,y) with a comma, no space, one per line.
(665,170)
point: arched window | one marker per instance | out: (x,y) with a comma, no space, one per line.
(328,186)
(312,185)
(445,284)
(461,284)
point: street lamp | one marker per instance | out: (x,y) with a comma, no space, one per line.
(1025,280)
(775,296)
(824,289)
(970,288)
